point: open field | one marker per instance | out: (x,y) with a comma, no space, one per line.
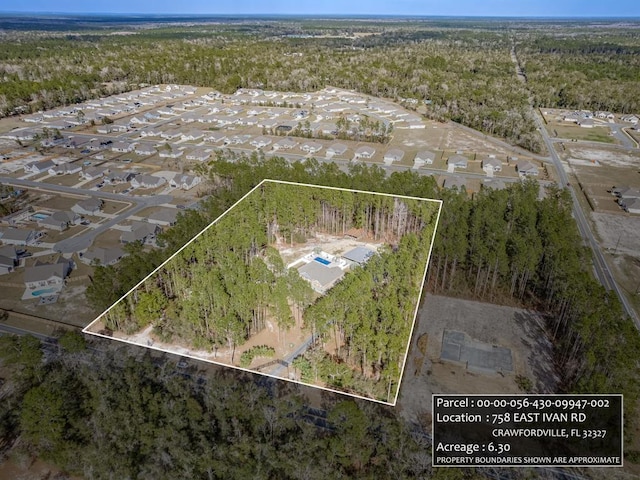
(578,133)
(519,330)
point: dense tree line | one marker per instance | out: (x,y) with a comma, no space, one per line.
(583,71)
(223,287)
(103,414)
(466,76)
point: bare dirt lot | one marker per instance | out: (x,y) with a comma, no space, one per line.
(519,330)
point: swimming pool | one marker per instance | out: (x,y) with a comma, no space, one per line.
(322,261)
(39,216)
(44,291)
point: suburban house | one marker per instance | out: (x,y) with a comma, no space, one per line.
(336,149)
(526,168)
(215,137)
(65,169)
(165,217)
(122,147)
(119,177)
(491,164)
(19,236)
(185,182)
(321,277)
(8,259)
(147,181)
(261,142)
(311,147)
(393,155)
(102,256)
(142,232)
(93,173)
(171,134)
(586,123)
(47,275)
(192,135)
(364,152)
(199,155)
(91,206)
(285,143)
(39,166)
(493,184)
(145,149)
(60,221)
(424,157)
(630,118)
(458,161)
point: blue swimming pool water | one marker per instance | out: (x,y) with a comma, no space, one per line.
(39,216)
(44,291)
(322,261)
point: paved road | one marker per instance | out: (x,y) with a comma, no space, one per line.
(74,244)
(8,329)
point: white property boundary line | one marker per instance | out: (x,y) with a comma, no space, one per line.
(173,352)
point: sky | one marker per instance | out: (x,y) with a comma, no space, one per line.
(502,8)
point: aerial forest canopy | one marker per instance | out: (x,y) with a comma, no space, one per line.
(222,287)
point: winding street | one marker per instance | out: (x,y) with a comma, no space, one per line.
(80,242)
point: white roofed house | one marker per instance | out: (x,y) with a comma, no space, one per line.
(92,173)
(47,275)
(491,165)
(393,155)
(526,168)
(423,157)
(336,149)
(90,206)
(185,182)
(60,221)
(199,155)
(364,152)
(147,181)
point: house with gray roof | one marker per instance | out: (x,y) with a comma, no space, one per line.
(458,161)
(336,149)
(526,168)
(147,181)
(321,277)
(60,221)
(39,166)
(285,144)
(47,275)
(142,232)
(90,206)
(454,182)
(359,255)
(393,155)
(8,259)
(93,173)
(145,149)
(102,256)
(185,182)
(164,216)
(65,169)
(364,152)
(19,236)
(199,154)
(119,177)
(261,141)
(491,165)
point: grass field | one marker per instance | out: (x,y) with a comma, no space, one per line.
(596,134)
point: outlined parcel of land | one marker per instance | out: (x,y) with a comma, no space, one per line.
(311,284)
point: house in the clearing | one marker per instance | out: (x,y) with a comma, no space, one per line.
(526,169)
(311,147)
(458,161)
(364,152)
(90,206)
(491,165)
(19,236)
(185,182)
(102,256)
(321,277)
(165,217)
(141,232)
(358,255)
(8,259)
(393,155)
(336,149)
(47,275)
(147,181)
(60,221)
